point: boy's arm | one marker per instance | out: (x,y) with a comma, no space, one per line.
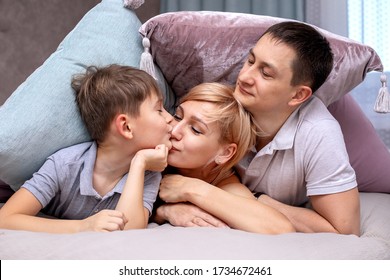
(131,201)
(20,212)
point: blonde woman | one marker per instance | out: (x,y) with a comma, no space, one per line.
(211,133)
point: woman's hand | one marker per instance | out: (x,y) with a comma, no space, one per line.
(188,215)
(173,188)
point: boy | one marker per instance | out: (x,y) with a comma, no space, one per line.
(101,185)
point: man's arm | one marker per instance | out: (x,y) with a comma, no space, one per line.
(326,214)
(330,206)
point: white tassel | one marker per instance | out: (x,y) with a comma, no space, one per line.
(132,4)
(382,104)
(146,62)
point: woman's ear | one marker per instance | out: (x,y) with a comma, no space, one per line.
(227,152)
(302,94)
(123,126)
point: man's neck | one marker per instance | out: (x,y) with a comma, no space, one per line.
(270,125)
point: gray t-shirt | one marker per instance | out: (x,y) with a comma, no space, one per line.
(63,185)
(306,157)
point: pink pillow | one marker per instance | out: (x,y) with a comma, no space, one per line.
(368,154)
(195,47)
(5,192)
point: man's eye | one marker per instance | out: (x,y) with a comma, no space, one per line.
(266,74)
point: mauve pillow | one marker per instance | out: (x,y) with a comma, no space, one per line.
(368,154)
(5,192)
(194,47)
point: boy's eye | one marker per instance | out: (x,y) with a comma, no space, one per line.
(177,117)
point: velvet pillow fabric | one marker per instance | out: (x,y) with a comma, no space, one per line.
(5,192)
(367,153)
(195,47)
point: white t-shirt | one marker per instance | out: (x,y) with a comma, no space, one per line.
(306,157)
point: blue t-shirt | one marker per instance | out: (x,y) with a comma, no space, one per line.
(63,185)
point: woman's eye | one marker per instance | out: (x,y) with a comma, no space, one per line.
(196,131)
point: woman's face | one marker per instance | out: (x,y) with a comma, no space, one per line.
(195,140)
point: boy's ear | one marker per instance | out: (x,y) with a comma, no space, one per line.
(302,94)
(123,126)
(227,152)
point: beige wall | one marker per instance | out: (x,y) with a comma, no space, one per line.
(30,30)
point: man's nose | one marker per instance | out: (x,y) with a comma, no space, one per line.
(247,74)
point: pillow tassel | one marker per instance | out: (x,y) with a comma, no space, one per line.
(146,63)
(382,104)
(132,4)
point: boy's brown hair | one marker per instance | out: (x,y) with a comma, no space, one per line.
(103,93)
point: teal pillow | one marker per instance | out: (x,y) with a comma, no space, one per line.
(41,116)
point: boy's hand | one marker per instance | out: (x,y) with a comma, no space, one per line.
(105,220)
(153,159)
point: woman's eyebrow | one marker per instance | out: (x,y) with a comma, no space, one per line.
(197,119)
(193,117)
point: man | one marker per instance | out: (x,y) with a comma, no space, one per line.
(301,155)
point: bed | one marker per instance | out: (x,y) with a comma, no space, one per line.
(187,48)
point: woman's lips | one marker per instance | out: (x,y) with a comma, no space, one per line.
(173,149)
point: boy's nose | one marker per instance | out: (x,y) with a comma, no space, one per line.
(176,131)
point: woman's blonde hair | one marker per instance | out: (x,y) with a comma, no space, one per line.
(235,123)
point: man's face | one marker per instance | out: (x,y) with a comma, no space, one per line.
(264,83)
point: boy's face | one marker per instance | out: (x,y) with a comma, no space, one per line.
(264,82)
(152,127)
